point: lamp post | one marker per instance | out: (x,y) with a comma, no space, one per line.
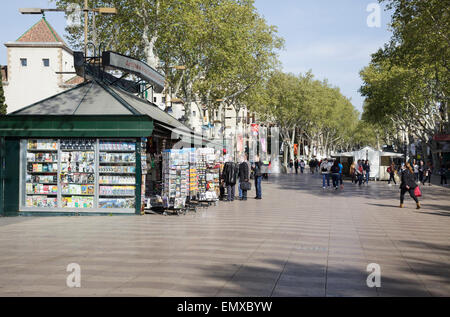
(86,10)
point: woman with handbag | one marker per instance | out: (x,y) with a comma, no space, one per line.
(408,184)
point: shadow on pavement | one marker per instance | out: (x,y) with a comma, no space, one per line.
(276,278)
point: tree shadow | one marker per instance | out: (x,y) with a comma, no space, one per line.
(317,274)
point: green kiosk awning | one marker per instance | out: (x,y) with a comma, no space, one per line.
(91,109)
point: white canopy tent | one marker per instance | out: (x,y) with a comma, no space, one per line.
(379,160)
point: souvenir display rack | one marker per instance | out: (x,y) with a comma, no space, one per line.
(176,179)
(79,175)
(117,164)
(41,175)
(208,175)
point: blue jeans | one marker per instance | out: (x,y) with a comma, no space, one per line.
(326,177)
(258,186)
(335,178)
(367,177)
(240,190)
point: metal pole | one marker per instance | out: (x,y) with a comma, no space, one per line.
(85,26)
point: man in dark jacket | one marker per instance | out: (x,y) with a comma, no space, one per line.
(258,177)
(244,176)
(230,171)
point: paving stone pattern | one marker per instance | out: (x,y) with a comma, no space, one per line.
(300,240)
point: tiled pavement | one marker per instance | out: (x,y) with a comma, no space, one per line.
(298,241)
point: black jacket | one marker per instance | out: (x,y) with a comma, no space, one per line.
(408,179)
(335,169)
(244,173)
(230,172)
(257,169)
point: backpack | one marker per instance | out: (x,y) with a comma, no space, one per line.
(389,170)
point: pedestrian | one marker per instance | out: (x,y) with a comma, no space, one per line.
(302,166)
(443,173)
(416,170)
(325,171)
(391,170)
(421,170)
(296,165)
(359,170)
(291,165)
(230,172)
(258,175)
(367,171)
(408,184)
(244,177)
(427,171)
(353,172)
(334,170)
(311,166)
(222,182)
(341,169)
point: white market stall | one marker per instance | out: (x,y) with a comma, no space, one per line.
(379,160)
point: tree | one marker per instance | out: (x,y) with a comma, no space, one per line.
(307,111)
(3,106)
(225,46)
(420,42)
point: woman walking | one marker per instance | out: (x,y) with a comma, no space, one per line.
(408,184)
(391,170)
(352,172)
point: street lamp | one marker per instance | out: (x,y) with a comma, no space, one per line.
(86,10)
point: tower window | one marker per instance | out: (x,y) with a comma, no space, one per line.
(23,62)
(46,62)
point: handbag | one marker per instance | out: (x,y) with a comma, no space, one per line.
(417,192)
(246,186)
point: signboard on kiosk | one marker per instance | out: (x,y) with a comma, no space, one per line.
(136,67)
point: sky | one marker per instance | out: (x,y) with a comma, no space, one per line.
(329,37)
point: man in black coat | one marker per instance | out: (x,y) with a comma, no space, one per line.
(258,177)
(230,172)
(244,176)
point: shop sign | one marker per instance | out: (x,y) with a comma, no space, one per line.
(136,67)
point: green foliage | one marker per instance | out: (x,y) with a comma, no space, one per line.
(226,47)
(317,110)
(3,106)
(406,84)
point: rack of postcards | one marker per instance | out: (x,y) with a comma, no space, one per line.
(175,178)
(117,170)
(193,175)
(144,169)
(208,169)
(80,174)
